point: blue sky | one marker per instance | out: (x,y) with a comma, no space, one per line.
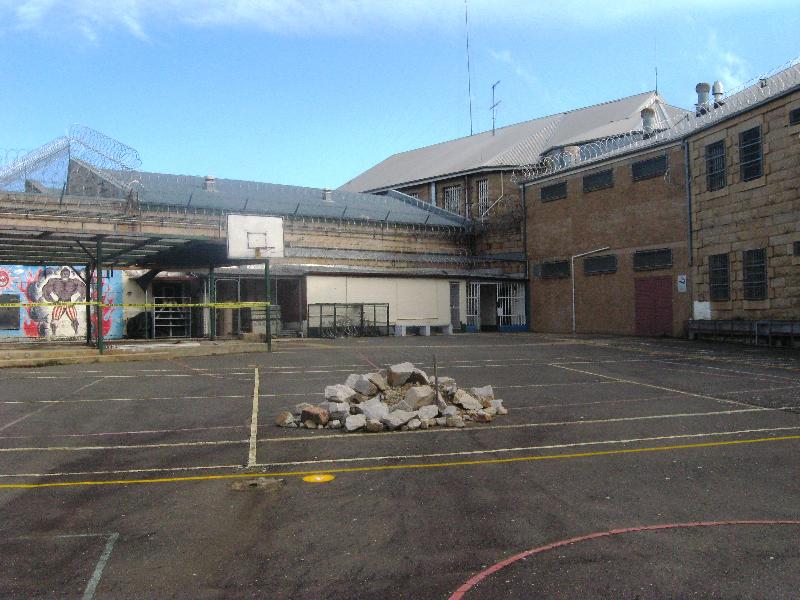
(314,92)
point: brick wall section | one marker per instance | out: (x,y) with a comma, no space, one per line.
(762,213)
(630,216)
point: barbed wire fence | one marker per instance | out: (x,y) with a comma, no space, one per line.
(739,99)
(47,166)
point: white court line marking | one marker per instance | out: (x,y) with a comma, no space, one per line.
(657,387)
(88,593)
(738,372)
(407,456)
(525,448)
(156,398)
(251,455)
(113,433)
(418,431)
(119,471)
(37,411)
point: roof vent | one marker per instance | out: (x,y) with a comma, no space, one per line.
(648,121)
(210,184)
(718,90)
(702,90)
(327,196)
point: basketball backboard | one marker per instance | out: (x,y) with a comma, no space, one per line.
(256,237)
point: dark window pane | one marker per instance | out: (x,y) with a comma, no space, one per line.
(9,317)
(719,277)
(555,269)
(554,192)
(647,169)
(598,181)
(797,248)
(750,153)
(794,117)
(715,166)
(644,260)
(755,274)
(593,265)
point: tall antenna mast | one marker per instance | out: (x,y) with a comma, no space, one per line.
(494,106)
(469,72)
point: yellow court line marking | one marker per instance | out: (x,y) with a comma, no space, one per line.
(462,463)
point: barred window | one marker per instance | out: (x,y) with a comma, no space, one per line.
(750,154)
(595,265)
(719,277)
(598,181)
(9,317)
(413,194)
(483,196)
(645,260)
(715,166)
(557,191)
(755,274)
(555,269)
(647,169)
(794,117)
(452,198)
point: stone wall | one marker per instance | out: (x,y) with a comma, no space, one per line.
(629,216)
(746,215)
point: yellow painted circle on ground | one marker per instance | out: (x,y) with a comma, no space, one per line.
(321,478)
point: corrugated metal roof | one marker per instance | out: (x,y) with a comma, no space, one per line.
(514,145)
(268,198)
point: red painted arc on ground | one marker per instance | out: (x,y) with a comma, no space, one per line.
(473,581)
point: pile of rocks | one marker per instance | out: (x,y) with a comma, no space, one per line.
(400,397)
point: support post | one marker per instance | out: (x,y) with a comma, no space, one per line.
(212,298)
(98,309)
(267,311)
(88,295)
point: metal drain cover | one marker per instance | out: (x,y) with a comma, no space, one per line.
(258,483)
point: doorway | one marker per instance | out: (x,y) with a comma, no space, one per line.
(653,300)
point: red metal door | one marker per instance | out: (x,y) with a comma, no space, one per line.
(653,298)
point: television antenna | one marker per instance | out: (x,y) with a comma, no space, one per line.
(494,105)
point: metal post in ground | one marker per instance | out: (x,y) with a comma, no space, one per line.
(88,282)
(99,287)
(212,299)
(267,311)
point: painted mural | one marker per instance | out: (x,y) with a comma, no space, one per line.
(56,284)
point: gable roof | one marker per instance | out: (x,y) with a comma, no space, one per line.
(514,145)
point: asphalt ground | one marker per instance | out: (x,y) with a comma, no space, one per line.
(626,468)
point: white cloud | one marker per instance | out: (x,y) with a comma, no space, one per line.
(728,67)
(506,57)
(336,17)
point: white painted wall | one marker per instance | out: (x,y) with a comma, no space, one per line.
(411,301)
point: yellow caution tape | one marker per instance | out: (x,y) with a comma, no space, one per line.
(138,305)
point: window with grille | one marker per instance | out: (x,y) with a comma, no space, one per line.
(715,166)
(598,181)
(483,196)
(555,269)
(647,169)
(645,260)
(557,191)
(9,317)
(452,198)
(794,117)
(413,194)
(595,265)
(719,277)
(755,274)
(750,154)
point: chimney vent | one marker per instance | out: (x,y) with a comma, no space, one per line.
(327,196)
(210,184)
(702,90)
(718,90)
(648,121)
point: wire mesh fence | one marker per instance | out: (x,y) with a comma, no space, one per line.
(347,320)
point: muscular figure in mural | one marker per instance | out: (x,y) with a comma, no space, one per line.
(62,289)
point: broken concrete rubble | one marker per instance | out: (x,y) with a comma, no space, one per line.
(402,397)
